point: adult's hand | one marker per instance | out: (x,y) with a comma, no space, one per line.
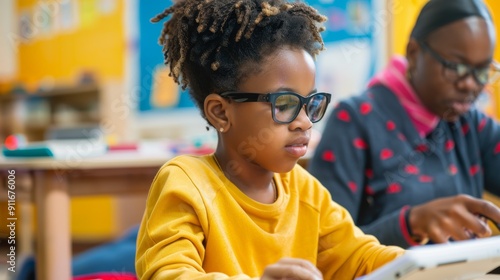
(292,269)
(459,217)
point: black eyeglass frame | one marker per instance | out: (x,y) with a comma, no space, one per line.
(271,97)
(454,65)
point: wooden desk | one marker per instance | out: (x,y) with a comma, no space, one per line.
(50,183)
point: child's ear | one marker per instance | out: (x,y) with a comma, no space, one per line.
(215,107)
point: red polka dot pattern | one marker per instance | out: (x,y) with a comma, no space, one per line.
(394,188)
(365,108)
(411,169)
(449,145)
(386,154)
(360,143)
(473,170)
(421,148)
(328,156)
(425,179)
(353,187)
(481,125)
(452,169)
(369,190)
(343,115)
(465,129)
(497,149)
(390,125)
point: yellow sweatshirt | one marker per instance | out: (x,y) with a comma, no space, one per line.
(199,225)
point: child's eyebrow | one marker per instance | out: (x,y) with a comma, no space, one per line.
(292,90)
(313,92)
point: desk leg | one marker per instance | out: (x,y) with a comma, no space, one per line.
(53,256)
(26,232)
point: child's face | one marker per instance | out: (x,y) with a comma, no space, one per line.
(254,136)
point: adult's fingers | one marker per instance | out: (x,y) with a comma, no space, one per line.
(437,234)
(456,217)
(473,224)
(481,207)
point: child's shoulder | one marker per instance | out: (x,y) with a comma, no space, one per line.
(189,166)
(193,170)
(189,161)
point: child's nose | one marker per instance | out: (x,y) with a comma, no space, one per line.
(302,120)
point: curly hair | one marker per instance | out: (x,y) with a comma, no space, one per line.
(212,45)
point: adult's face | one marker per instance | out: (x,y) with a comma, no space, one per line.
(469,41)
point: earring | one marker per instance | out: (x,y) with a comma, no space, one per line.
(221,129)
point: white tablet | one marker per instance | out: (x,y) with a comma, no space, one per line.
(462,260)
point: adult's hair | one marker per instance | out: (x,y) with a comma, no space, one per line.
(210,45)
(438,13)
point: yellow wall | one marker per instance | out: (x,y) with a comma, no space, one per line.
(96,44)
(495,92)
(405,13)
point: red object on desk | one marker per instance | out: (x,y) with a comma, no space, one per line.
(193,150)
(123,147)
(106,276)
(14,141)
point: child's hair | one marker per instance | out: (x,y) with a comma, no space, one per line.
(211,44)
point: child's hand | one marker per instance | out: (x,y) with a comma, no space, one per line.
(292,269)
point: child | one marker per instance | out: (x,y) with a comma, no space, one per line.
(248,211)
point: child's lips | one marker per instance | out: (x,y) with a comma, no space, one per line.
(298,146)
(297,149)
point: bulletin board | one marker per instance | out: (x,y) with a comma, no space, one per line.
(158,90)
(343,69)
(350,58)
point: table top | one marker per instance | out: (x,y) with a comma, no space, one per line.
(150,155)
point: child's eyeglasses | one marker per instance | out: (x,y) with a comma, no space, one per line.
(456,71)
(287,105)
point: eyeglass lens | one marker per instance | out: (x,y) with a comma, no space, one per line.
(287,107)
(481,75)
(316,108)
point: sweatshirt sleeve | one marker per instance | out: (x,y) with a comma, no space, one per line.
(356,254)
(340,163)
(170,243)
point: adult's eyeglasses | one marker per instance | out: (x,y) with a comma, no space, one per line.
(454,71)
(286,105)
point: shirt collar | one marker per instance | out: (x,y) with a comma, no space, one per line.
(394,78)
